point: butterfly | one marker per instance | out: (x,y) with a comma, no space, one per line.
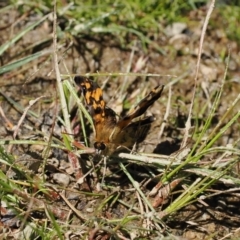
(112,133)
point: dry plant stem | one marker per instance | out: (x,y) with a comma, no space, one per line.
(48,148)
(188,123)
(228,191)
(92,233)
(42,63)
(140,203)
(162,160)
(81,180)
(58,76)
(20,19)
(73,208)
(117,74)
(230,234)
(121,237)
(61,60)
(166,113)
(40,204)
(104,168)
(30,142)
(24,115)
(27,213)
(222,156)
(22,118)
(7,123)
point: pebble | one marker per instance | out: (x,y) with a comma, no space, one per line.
(62,179)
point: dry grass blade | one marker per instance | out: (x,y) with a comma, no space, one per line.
(200,49)
(31,103)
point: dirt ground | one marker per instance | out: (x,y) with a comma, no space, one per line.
(212,218)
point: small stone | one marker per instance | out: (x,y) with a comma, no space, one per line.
(66,167)
(89,210)
(61,179)
(190,235)
(54,162)
(175,29)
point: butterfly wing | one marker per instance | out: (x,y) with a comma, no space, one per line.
(104,118)
(141,107)
(108,130)
(127,133)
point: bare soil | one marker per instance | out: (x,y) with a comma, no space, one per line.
(208,219)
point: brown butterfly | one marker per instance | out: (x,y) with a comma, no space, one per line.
(112,133)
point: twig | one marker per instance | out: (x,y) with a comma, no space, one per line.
(31,103)
(41,204)
(83,218)
(22,118)
(230,234)
(7,123)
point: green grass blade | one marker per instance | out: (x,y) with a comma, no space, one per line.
(22,61)
(8,44)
